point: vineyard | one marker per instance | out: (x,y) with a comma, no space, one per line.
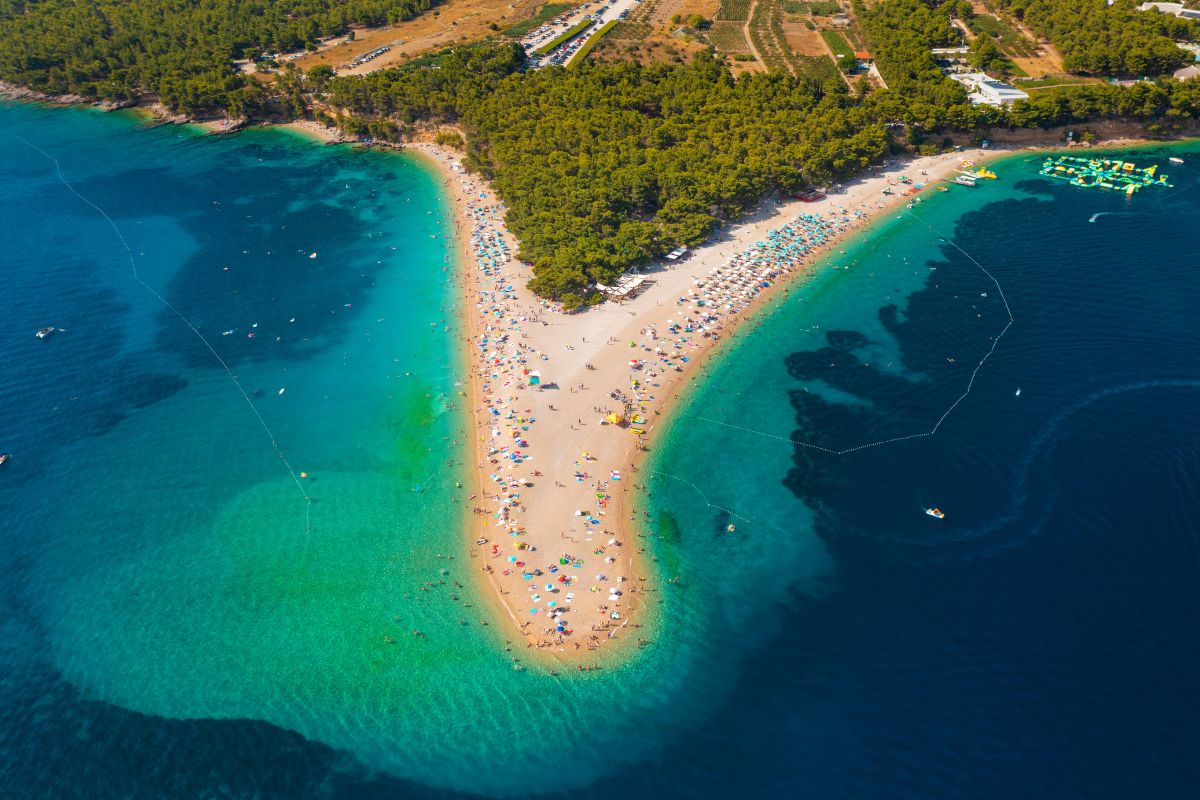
(728,37)
(766,33)
(843,53)
(734,10)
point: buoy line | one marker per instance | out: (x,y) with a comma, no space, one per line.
(701,493)
(947,413)
(137,277)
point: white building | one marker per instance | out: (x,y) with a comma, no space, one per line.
(1171,8)
(985,90)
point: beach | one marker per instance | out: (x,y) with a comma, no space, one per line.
(565,405)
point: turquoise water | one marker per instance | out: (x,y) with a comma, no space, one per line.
(162,553)
(178,624)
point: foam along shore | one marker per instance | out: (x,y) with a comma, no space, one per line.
(554,524)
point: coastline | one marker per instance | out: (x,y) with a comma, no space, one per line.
(543,520)
(542,513)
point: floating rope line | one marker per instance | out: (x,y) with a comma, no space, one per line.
(948,412)
(137,277)
(700,492)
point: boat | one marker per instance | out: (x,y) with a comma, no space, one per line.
(1175,160)
(935,512)
(1018,391)
(984,172)
(4,458)
(964,180)
(44,332)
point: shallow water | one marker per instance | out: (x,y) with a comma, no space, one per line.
(176,625)
(163,563)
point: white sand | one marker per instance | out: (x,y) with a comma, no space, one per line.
(542,516)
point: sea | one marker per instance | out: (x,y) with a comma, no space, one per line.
(233,496)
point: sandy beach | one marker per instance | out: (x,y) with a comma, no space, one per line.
(553,499)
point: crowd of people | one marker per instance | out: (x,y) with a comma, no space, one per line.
(561,572)
(508,373)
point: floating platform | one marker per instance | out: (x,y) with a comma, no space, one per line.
(1121,176)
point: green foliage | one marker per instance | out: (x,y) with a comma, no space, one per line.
(544,14)
(180,51)
(985,55)
(901,33)
(1097,39)
(433,89)
(449,139)
(606,166)
(1009,39)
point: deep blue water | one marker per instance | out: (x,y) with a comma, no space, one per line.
(1038,642)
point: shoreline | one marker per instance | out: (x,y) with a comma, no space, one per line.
(538,507)
(538,518)
(533,512)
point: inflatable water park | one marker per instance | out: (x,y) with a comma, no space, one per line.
(1123,176)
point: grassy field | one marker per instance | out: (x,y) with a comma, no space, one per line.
(591,43)
(566,36)
(840,47)
(544,14)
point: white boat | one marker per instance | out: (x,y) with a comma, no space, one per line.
(1018,391)
(1175,160)
(935,512)
(44,332)
(964,180)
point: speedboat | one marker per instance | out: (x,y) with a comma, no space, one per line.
(4,458)
(1175,160)
(964,180)
(44,332)
(935,512)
